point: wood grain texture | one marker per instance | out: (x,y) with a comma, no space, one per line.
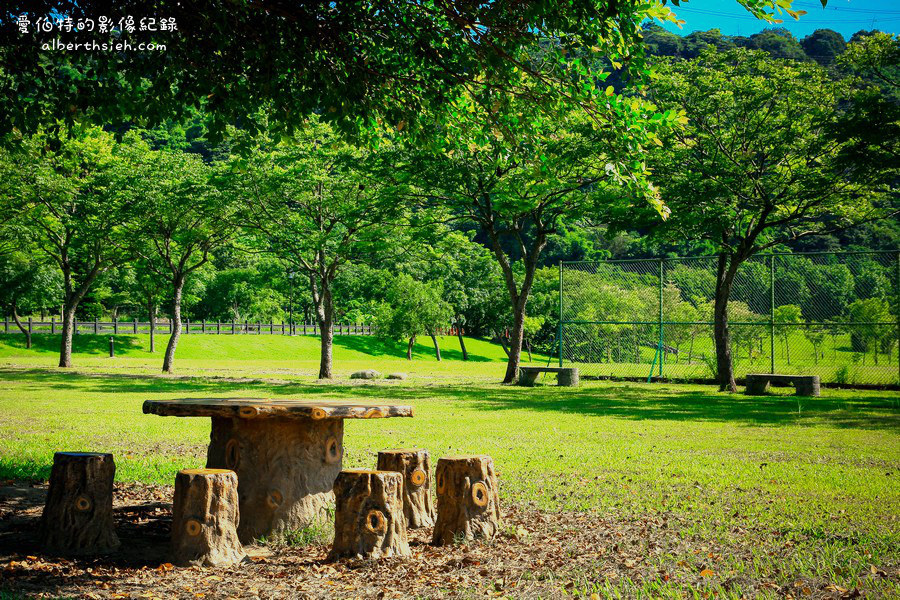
(415,466)
(468,506)
(254,408)
(78,516)
(205,519)
(368,517)
(285,467)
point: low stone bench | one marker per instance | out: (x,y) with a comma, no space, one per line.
(565,376)
(806,385)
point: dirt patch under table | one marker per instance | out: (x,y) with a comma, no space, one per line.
(538,554)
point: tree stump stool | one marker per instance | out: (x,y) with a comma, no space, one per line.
(415,466)
(205,518)
(78,517)
(368,518)
(467,503)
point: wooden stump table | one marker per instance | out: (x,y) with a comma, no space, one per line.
(286,453)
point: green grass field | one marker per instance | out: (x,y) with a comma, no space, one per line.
(785,489)
(834,360)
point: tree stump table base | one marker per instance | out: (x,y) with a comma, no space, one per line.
(286,469)
(468,506)
(415,466)
(78,517)
(205,519)
(368,518)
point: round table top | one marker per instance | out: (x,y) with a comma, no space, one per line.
(251,408)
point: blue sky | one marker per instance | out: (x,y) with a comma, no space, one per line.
(844,16)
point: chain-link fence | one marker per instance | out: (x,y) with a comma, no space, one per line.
(829,314)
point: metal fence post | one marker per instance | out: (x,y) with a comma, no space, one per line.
(660,346)
(52,325)
(560,332)
(771,313)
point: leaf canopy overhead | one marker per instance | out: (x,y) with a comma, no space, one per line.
(356,63)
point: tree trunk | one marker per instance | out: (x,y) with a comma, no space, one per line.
(151,309)
(528,347)
(169,359)
(503,345)
(68,326)
(437,349)
(21,327)
(409,347)
(727,267)
(515,340)
(325,316)
(462,342)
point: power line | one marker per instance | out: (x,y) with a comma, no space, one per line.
(714,13)
(876,11)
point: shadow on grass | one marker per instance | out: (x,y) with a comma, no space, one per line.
(375,346)
(669,402)
(46,343)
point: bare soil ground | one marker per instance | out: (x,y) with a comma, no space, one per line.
(546,555)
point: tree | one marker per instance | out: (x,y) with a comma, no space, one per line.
(25,283)
(182,217)
(518,194)
(413,308)
(869,129)
(871,323)
(147,285)
(312,203)
(779,43)
(361,61)
(816,336)
(661,42)
(71,202)
(824,46)
(787,318)
(753,167)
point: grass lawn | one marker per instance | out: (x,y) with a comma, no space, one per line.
(767,489)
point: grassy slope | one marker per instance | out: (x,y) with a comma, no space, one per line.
(254,355)
(810,488)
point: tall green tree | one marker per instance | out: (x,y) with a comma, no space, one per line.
(413,308)
(71,202)
(180,215)
(26,284)
(754,166)
(519,193)
(312,203)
